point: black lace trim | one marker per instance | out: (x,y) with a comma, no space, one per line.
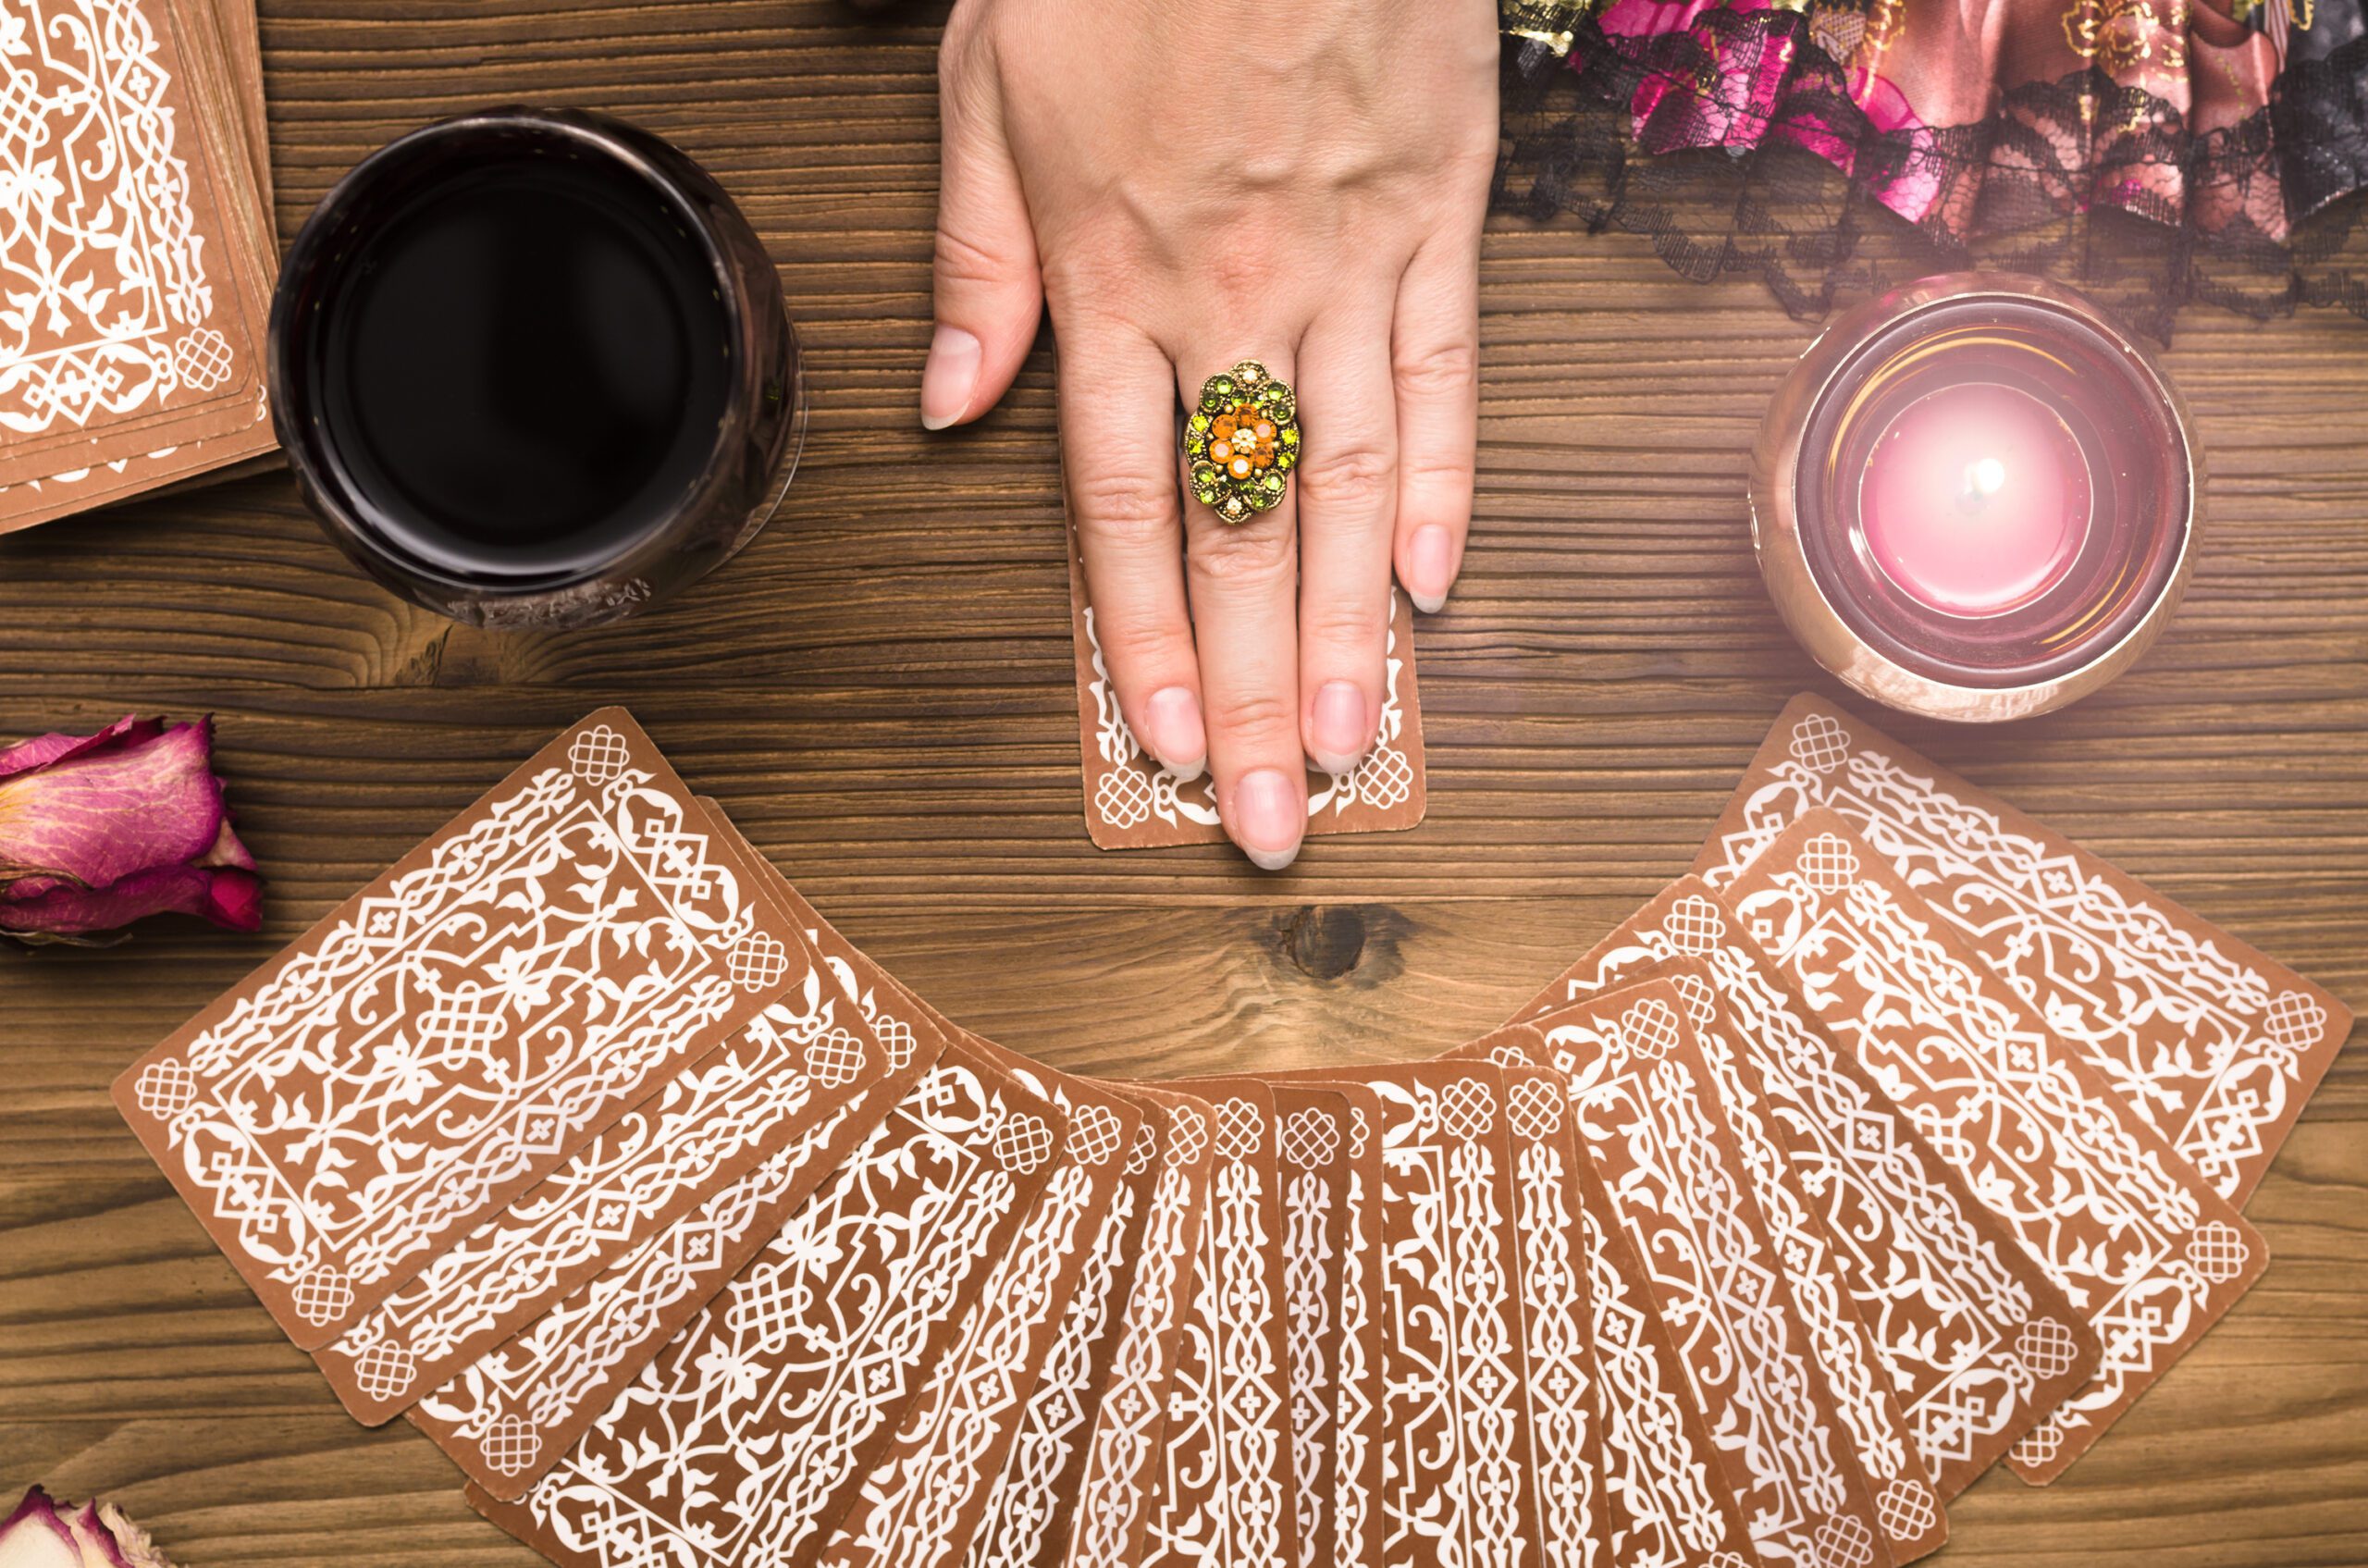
(2146,217)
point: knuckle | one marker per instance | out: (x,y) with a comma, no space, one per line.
(963,259)
(1449,367)
(1253,555)
(1346,626)
(1353,476)
(1144,646)
(1248,718)
(1124,507)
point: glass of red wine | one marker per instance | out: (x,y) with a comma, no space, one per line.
(532,369)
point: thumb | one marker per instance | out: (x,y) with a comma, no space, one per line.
(989,289)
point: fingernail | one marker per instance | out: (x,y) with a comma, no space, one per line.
(1268,818)
(1430,567)
(1338,727)
(1178,738)
(949,377)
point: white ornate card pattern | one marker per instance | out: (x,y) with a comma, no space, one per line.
(1031,1508)
(449,1035)
(1313,1138)
(1456,1472)
(737,1443)
(1222,1476)
(1114,1492)
(1908,1508)
(920,1504)
(131,313)
(798,1062)
(1133,802)
(2208,1040)
(1359,1376)
(1558,1367)
(1979,1343)
(1648,1112)
(2130,1233)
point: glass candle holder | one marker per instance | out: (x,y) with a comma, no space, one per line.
(1975,498)
(532,369)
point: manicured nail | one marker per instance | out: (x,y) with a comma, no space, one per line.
(1268,818)
(1177,735)
(1336,728)
(949,378)
(1430,567)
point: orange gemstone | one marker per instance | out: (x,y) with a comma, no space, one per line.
(1266,431)
(1223,429)
(1261,460)
(1239,468)
(1219,452)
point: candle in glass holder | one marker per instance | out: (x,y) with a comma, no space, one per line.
(1975,498)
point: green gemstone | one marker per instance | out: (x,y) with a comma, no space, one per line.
(1291,437)
(1275,482)
(1198,421)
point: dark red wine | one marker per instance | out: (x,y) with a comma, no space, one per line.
(527,366)
(530,368)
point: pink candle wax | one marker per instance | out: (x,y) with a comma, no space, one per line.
(1976,499)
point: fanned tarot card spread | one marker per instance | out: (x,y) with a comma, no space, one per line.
(1113,1493)
(1856,1378)
(1977,1341)
(139,271)
(920,1503)
(1029,1512)
(1131,802)
(450,1035)
(2134,1237)
(1316,1129)
(511,1415)
(1558,1364)
(2211,1042)
(796,1065)
(747,1433)
(1222,1478)
(1647,1107)
(1457,1480)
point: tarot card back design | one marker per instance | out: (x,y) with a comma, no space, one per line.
(1116,1483)
(748,1430)
(1222,1487)
(1132,802)
(518,1407)
(2131,1234)
(2211,1041)
(1316,1132)
(921,1503)
(1648,1109)
(799,1063)
(1979,1343)
(448,1036)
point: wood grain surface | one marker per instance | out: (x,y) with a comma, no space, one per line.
(880,692)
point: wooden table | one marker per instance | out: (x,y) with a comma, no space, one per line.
(880,692)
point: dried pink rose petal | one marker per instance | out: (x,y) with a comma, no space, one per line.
(43,1535)
(99,831)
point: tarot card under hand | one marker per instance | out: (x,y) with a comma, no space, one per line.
(448,1036)
(2134,1237)
(1979,1343)
(509,1414)
(2213,1044)
(921,1502)
(747,1432)
(1116,1481)
(1223,1478)
(1456,1477)
(1647,1107)
(1131,802)
(1857,1379)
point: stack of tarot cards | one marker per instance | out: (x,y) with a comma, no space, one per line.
(1902,1138)
(137,261)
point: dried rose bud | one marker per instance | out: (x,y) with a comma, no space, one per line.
(43,1535)
(98,830)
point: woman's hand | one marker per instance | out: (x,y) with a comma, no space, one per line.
(1187,185)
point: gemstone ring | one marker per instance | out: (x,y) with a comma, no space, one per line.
(1242,442)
